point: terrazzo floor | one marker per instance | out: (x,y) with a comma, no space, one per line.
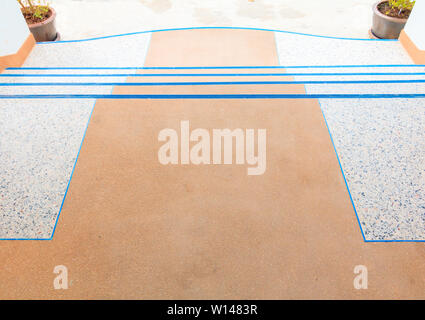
(40,139)
(380,143)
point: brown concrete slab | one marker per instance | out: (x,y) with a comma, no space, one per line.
(17,59)
(213,89)
(133,228)
(238,70)
(212,47)
(214,232)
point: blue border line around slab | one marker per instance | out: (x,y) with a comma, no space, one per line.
(342,171)
(226,67)
(216,28)
(82,141)
(184,83)
(72,172)
(213,96)
(99,75)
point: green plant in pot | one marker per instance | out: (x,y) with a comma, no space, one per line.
(40,17)
(389,17)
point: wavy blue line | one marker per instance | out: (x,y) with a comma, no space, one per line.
(202,28)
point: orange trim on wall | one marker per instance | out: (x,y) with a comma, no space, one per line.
(417,55)
(17,59)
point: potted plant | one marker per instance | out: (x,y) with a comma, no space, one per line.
(40,18)
(389,18)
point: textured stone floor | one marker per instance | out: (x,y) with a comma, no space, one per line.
(133,228)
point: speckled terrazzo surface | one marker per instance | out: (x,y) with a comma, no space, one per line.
(40,139)
(39,143)
(380,143)
(304,50)
(381,146)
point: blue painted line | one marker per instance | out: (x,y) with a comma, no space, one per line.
(146,51)
(131,84)
(225,67)
(213,96)
(72,172)
(394,240)
(73,75)
(223,28)
(26,239)
(342,172)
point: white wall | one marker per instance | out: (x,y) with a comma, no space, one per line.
(415,26)
(13,28)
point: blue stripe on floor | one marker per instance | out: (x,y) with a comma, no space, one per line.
(65,75)
(213,96)
(12,84)
(222,67)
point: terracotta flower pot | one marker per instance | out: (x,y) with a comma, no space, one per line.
(386,27)
(45,30)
